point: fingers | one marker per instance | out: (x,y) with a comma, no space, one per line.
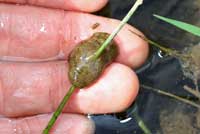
(133,50)
(77,5)
(28,89)
(52,34)
(66,124)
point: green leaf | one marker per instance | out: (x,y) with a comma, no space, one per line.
(182,25)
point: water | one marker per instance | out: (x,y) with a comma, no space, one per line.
(161,114)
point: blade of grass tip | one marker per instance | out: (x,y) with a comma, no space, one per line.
(139,120)
(59,110)
(119,27)
(141,124)
(182,25)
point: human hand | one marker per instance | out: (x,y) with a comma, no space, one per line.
(41,39)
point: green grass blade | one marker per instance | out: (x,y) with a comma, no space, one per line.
(182,25)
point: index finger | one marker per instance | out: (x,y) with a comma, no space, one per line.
(75,5)
(52,34)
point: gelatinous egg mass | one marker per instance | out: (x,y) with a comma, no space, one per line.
(83,70)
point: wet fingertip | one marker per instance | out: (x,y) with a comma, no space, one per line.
(140,56)
(131,90)
(133,49)
(89,5)
(142,50)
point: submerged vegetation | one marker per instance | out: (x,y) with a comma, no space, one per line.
(189,58)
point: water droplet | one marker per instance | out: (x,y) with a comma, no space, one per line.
(1,24)
(43,29)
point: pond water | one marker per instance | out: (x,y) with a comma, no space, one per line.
(161,114)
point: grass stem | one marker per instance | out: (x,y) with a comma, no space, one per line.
(119,27)
(141,123)
(59,110)
(172,96)
(166,50)
(169,51)
(194,92)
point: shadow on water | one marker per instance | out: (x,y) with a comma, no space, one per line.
(161,114)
